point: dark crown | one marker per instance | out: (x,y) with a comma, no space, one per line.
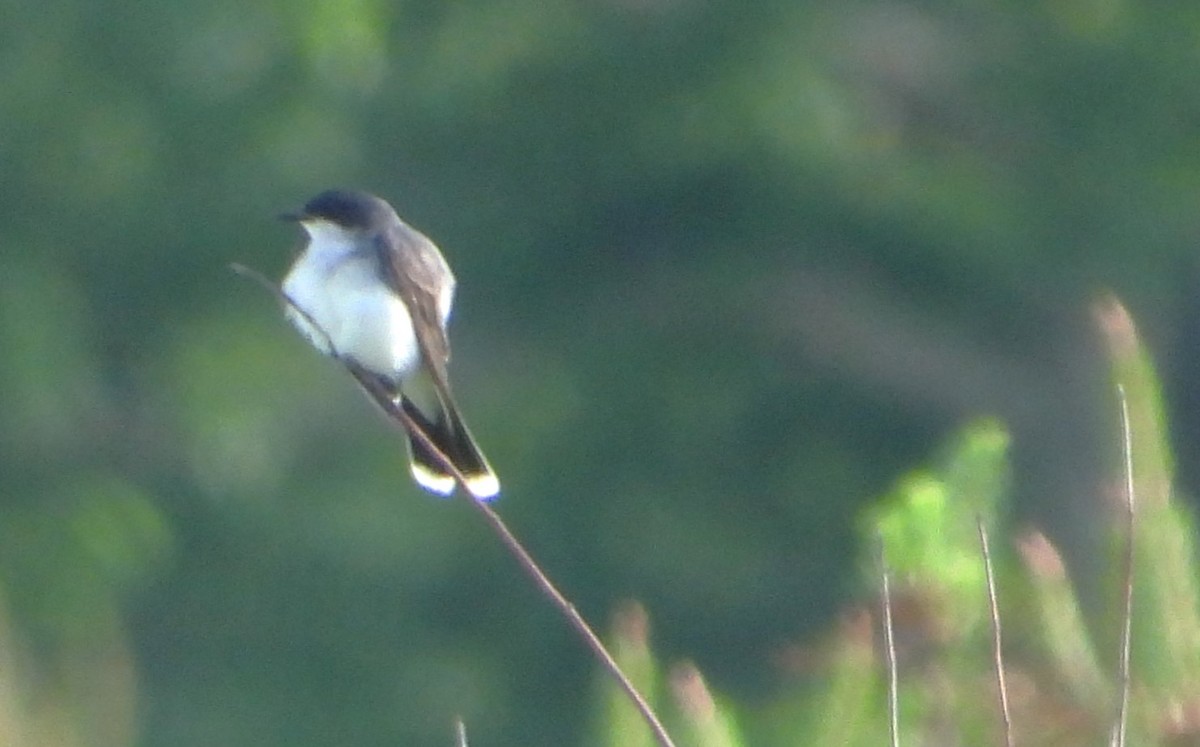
(349,209)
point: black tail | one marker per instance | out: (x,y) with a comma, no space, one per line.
(449,434)
(444,427)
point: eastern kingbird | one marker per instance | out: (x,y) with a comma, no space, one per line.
(376,294)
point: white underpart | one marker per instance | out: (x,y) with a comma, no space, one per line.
(338,287)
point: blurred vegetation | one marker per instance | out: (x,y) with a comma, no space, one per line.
(1062,668)
(726,273)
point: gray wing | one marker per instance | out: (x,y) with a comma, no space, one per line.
(416,270)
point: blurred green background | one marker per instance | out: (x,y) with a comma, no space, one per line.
(725,271)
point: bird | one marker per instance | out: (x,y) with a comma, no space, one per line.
(375,294)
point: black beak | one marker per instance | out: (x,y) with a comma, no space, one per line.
(292,216)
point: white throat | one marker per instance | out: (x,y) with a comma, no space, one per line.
(337,283)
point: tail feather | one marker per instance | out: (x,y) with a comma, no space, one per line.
(449,434)
(438,418)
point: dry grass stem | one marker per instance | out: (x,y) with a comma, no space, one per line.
(1121,727)
(997,637)
(889,646)
(514,546)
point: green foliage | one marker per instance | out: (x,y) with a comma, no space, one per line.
(1166,621)
(725,271)
(928,526)
(621,725)
(928,523)
(928,531)
(697,717)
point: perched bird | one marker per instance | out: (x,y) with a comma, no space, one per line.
(376,293)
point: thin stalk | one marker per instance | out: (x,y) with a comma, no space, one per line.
(1121,727)
(997,639)
(889,646)
(507,538)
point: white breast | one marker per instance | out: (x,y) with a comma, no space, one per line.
(355,314)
